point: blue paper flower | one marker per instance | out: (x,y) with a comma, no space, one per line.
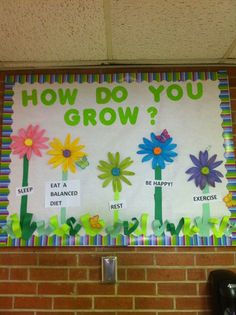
(204,172)
(158,150)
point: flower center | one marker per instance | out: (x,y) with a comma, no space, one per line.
(205,170)
(28,142)
(115,171)
(66,153)
(157,150)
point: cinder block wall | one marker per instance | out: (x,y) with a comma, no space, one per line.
(152,281)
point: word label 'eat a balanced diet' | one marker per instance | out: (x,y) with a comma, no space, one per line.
(62,194)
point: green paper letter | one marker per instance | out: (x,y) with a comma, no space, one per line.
(72,117)
(156,92)
(26,98)
(199,91)
(66,96)
(178,92)
(127,115)
(48,97)
(107,121)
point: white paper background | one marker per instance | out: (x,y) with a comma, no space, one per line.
(194,125)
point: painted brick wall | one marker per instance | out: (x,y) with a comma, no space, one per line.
(152,281)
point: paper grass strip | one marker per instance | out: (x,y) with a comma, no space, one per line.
(129,228)
(59,230)
(74,226)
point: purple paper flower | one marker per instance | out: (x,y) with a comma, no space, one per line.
(203,172)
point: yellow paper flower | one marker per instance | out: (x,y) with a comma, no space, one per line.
(66,154)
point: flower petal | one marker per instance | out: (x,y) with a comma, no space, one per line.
(111,158)
(214,165)
(147,158)
(195,160)
(125,180)
(192,170)
(107,182)
(103,176)
(217,173)
(203,182)
(203,157)
(117,158)
(126,161)
(211,160)
(148,143)
(105,164)
(67,140)
(128,173)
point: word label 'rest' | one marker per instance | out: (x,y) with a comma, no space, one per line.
(117,205)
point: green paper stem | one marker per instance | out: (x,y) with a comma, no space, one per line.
(206,206)
(116,196)
(63,209)
(158,197)
(116,216)
(24,199)
(116,212)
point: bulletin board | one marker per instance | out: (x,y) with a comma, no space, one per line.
(119,159)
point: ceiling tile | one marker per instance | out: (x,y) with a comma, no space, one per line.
(173,30)
(49,30)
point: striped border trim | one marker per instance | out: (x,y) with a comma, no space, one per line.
(121,240)
(228,141)
(112,77)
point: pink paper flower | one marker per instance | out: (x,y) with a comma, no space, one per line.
(29,141)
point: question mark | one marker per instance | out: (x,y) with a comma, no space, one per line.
(153,112)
